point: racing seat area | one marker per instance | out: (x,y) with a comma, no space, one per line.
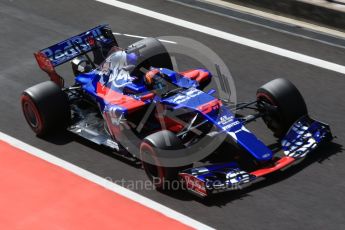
(106,94)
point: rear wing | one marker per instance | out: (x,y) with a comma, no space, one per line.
(99,40)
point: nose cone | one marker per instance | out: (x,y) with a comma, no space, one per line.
(251,143)
(227,122)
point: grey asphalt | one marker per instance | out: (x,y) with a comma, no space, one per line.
(307,196)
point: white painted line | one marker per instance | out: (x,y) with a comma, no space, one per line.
(215,3)
(142,37)
(276,17)
(228,36)
(336,5)
(133,36)
(103,182)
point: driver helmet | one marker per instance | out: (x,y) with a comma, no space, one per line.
(132,58)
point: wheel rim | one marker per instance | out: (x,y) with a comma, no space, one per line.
(271,120)
(30,114)
(154,172)
(151,169)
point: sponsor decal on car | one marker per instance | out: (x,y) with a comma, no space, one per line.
(193,184)
(225,119)
(187,95)
(74,46)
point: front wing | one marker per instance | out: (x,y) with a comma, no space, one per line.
(304,136)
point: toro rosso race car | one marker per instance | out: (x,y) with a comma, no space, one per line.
(133,102)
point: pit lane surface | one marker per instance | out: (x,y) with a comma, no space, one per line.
(308,196)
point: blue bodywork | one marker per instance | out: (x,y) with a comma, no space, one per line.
(120,81)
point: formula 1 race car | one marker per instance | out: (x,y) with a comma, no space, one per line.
(131,101)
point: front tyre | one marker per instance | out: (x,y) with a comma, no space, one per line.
(45,107)
(150,149)
(288,102)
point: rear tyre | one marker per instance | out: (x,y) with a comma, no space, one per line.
(288,102)
(161,176)
(151,54)
(45,107)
